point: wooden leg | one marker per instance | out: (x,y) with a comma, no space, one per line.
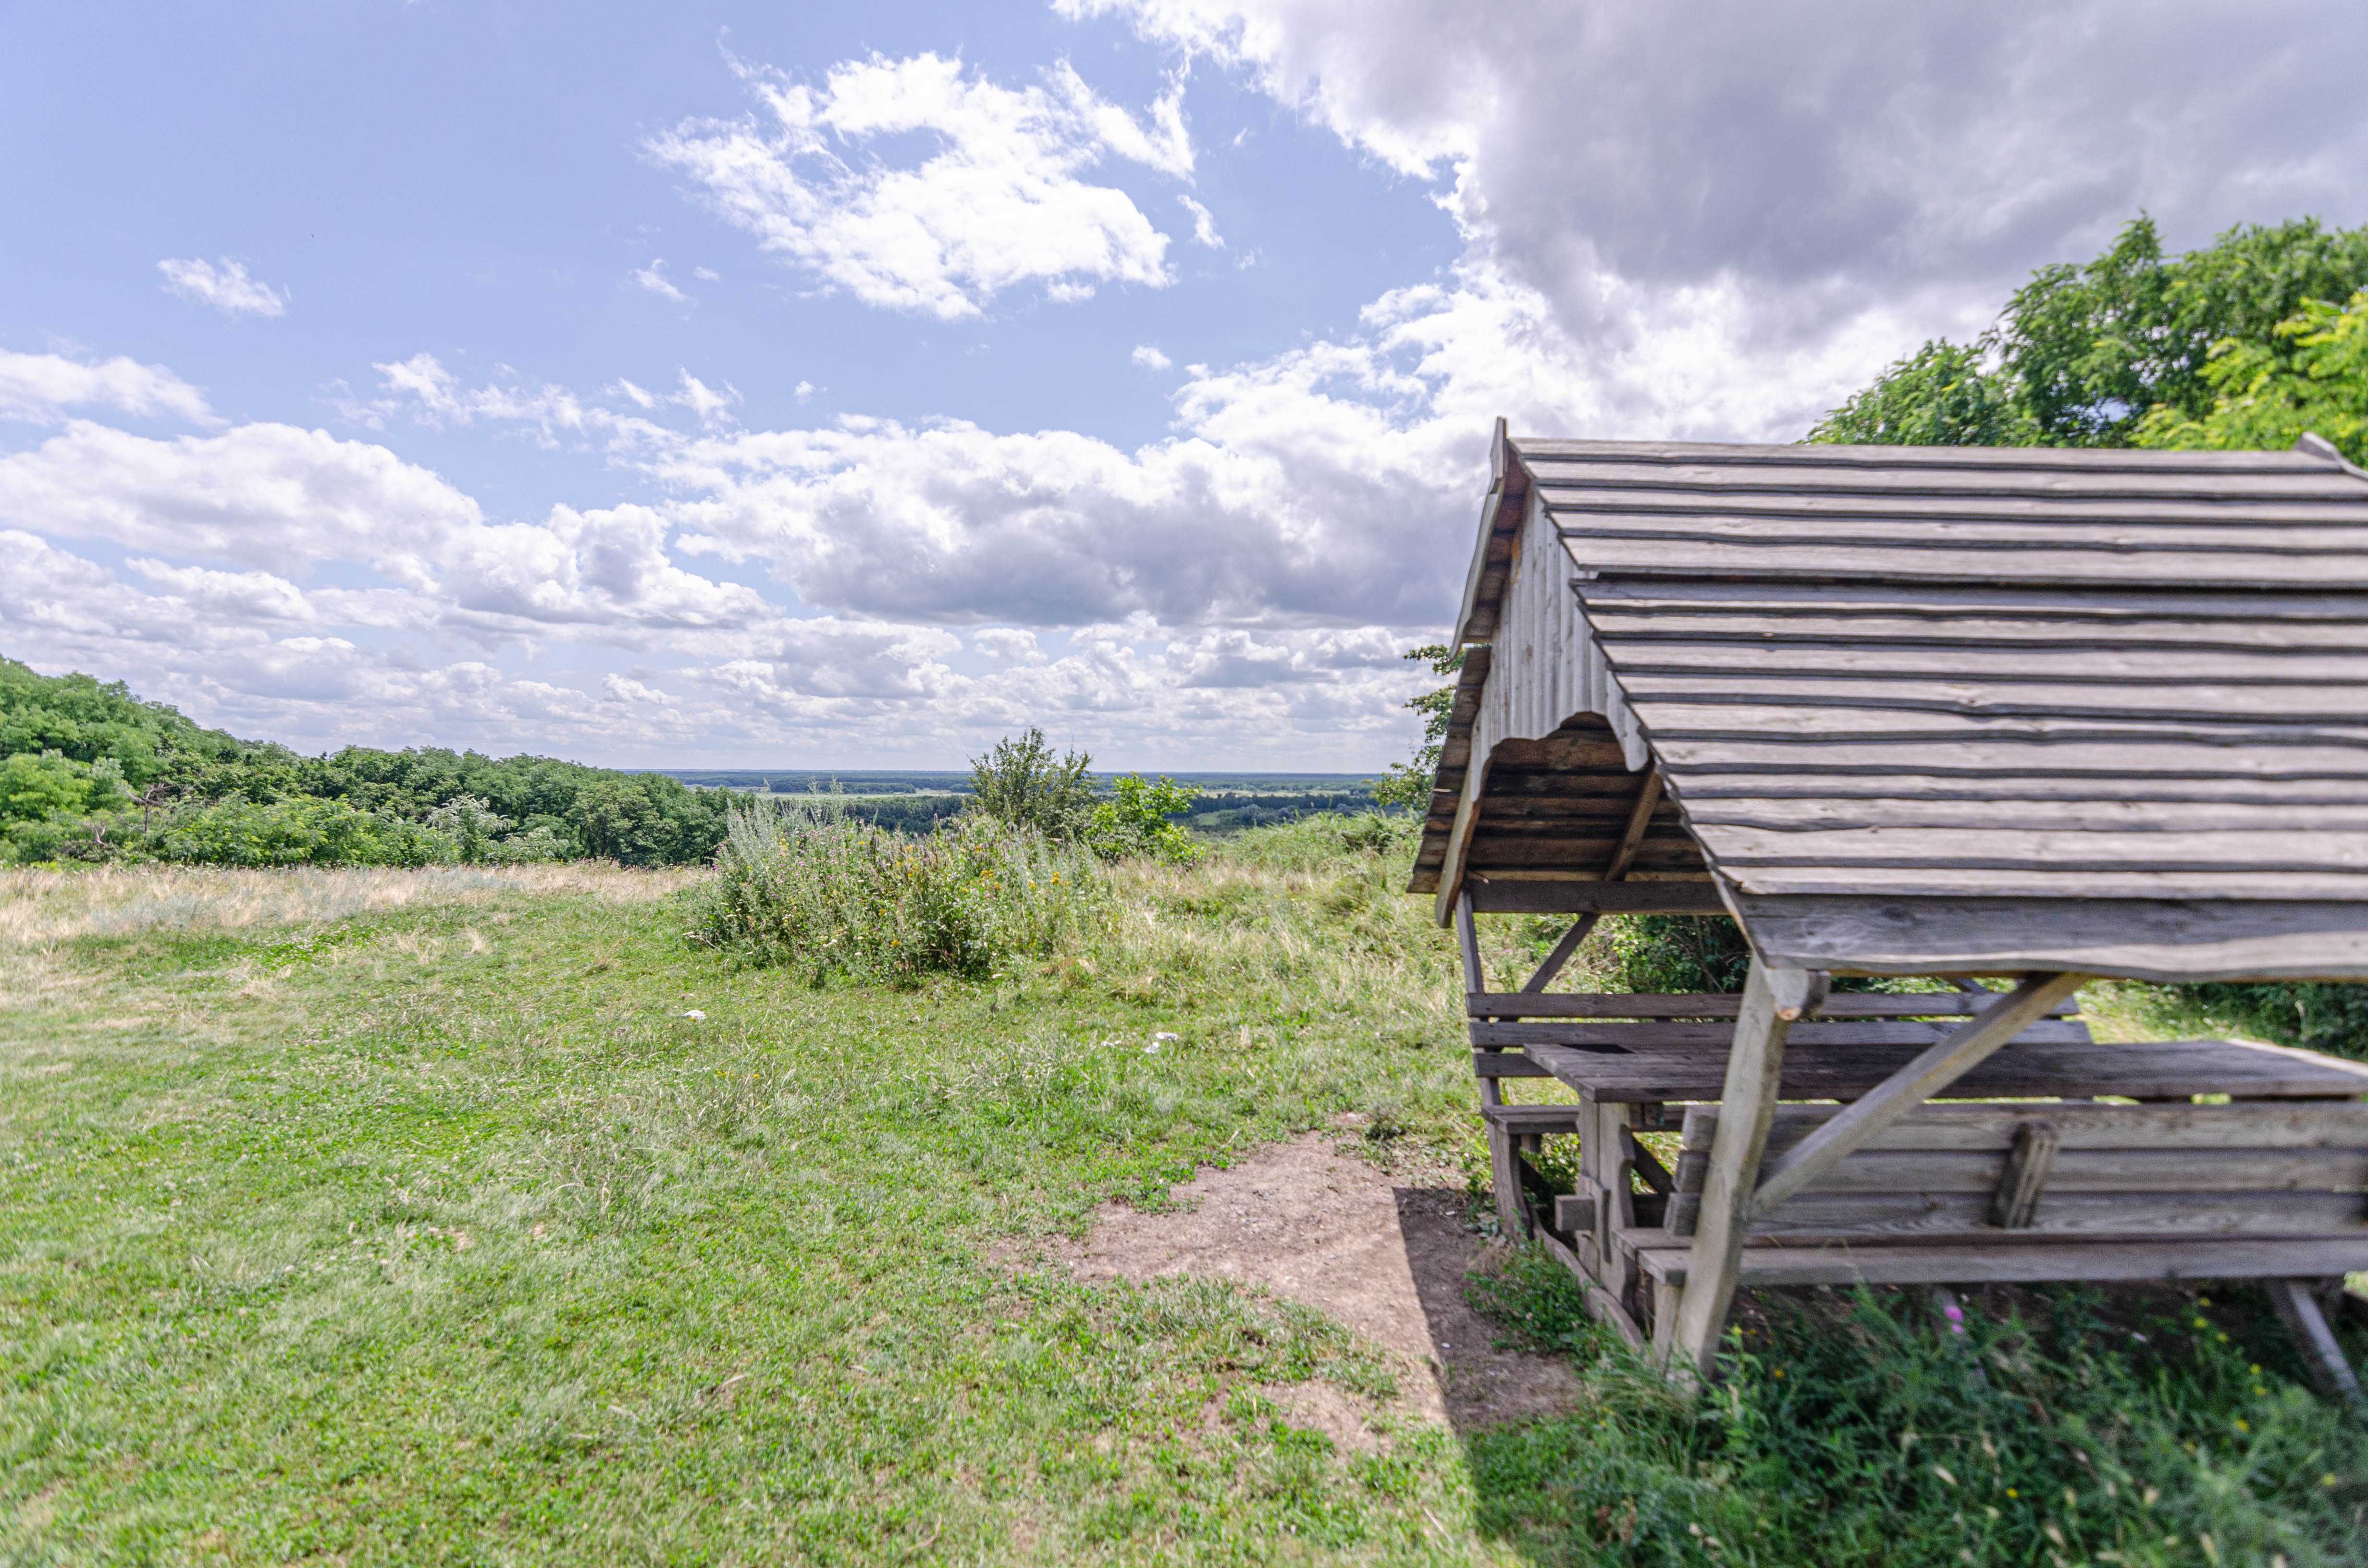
(2298,1305)
(1773,998)
(1505,1175)
(1667,1302)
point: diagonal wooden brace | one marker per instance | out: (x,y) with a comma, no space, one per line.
(1956,1054)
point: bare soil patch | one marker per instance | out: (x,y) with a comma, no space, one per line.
(1337,1234)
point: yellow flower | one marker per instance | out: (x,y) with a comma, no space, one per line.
(2243,1425)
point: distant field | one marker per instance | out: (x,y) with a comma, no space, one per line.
(1228,802)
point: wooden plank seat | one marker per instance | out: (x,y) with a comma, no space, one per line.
(1818,1068)
(2039,1192)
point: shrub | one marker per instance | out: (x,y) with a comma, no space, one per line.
(817,892)
(1021,785)
(1134,822)
(302,830)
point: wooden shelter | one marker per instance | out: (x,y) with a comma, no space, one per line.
(1951,712)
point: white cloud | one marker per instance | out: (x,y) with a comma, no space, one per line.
(224,284)
(1818,171)
(625,689)
(707,275)
(1149,359)
(654,278)
(1000,199)
(1204,224)
(36,387)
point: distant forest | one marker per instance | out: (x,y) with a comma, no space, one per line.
(914,802)
(91,772)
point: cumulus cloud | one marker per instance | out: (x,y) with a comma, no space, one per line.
(654,278)
(1001,197)
(1146,358)
(37,387)
(1204,224)
(1810,162)
(224,284)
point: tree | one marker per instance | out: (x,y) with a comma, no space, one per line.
(1941,395)
(1409,783)
(2266,400)
(1022,783)
(2085,353)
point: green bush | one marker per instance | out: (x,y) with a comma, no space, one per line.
(1020,784)
(816,893)
(235,831)
(1134,822)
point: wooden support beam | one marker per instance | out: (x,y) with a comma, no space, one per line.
(1561,954)
(1773,999)
(1467,943)
(1957,1053)
(1459,837)
(1640,819)
(1498,894)
(2329,1369)
(2028,1164)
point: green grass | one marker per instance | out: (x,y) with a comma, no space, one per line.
(433,1231)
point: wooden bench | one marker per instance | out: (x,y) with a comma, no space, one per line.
(2272,1186)
(2033,1191)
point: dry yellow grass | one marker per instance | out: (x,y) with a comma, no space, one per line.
(41,907)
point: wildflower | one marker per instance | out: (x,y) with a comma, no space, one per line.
(2243,1425)
(2012,1492)
(694,1013)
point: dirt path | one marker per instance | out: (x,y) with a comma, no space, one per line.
(1338,1235)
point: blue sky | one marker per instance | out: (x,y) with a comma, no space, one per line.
(846,386)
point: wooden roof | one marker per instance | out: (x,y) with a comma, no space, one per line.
(1923,709)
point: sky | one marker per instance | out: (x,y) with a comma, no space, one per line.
(797,386)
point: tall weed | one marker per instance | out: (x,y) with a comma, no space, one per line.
(818,892)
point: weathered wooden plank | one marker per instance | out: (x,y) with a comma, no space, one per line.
(1811,563)
(1724,1005)
(2320,745)
(1500,895)
(1540,455)
(1815,1217)
(1553,964)
(1773,1000)
(2201,1132)
(2066,884)
(1634,634)
(2013,1258)
(2140,938)
(1579,507)
(1535,1119)
(1962,1050)
(1978,1173)
(1588,522)
(1661,1034)
(2149,483)
(1997,849)
(1856,655)
(2073,695)
(2158,1071)
(2151,818)
(1945,602)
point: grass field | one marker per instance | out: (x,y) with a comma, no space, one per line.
(454,1216)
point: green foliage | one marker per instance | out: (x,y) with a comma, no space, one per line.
(1675,953)
(1134,820)
(2312,377)
(647,819)
(72,751)
(821,894)
(1408,786)
(1941,395)
(2084,354)
(1022,784)
(1849,1432)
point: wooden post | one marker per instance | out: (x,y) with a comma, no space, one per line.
(1773,999)
(2299,1308)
